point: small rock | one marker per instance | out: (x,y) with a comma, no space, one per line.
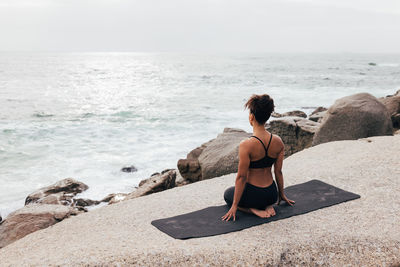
(129,169)
(83,202)
(31,218)
(294,113)
(392,104)
(189,169)
(117,198)
(60,193)
(317,117)
(154,184)
(179,180)
(114,198)
(372,64)
(318,109)
(276,115)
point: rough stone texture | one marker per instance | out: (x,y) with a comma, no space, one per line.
(155,183)
(392,103)
(199,166)
(317,117)
(294,113)
(220,155)
(179,180)
(114,198)
(189,168)
(352,117)
(60,193)
(362,232)
(83,202)
(296,133)
(318,110)
(31,218)
(129,169)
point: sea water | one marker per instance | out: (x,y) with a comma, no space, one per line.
(87,115)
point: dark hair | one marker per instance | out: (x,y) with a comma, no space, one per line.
(261,106)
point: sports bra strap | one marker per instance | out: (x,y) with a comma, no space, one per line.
(260,141)
(269,142)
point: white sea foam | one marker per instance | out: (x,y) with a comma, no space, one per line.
(88,115)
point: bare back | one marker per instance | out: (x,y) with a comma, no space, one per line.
(262,177)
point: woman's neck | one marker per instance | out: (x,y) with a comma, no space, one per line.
(258,129)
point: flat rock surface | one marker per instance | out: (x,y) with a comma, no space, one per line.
(362,232)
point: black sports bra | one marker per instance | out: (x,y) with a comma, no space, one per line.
(266,161)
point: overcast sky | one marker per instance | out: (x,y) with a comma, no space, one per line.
(201,25)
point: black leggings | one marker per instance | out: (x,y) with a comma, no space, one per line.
(254,196)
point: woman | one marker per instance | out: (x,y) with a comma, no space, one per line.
(255,190)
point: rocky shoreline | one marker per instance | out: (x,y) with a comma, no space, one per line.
(349,118)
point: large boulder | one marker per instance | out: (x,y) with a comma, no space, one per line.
(31,218)
(60,193)
(220,155)
(156,183)
(353,117)
(216,157)
(296,133)
(392,104)
(189,168)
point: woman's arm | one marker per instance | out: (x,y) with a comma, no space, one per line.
(241,179)
(279,176)
(278,168)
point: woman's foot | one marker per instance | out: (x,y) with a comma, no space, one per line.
(268,212)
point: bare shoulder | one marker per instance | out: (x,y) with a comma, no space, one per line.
(245,144)
(278,140)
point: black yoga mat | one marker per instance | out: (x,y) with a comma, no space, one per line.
(309,196)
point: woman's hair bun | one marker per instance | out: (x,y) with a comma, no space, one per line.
(261,106)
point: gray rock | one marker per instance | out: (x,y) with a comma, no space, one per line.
(317,117)
(294,113)
(392,104)
(353,117)
(114,198)
(296,132)
(129,169)
(220,155)
(318,109)
(179,181)
(155,183)
(60,193)
(191,168)
(83,202)
(31,218)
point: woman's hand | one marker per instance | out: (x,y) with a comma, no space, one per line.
(231,213)
(284,198)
